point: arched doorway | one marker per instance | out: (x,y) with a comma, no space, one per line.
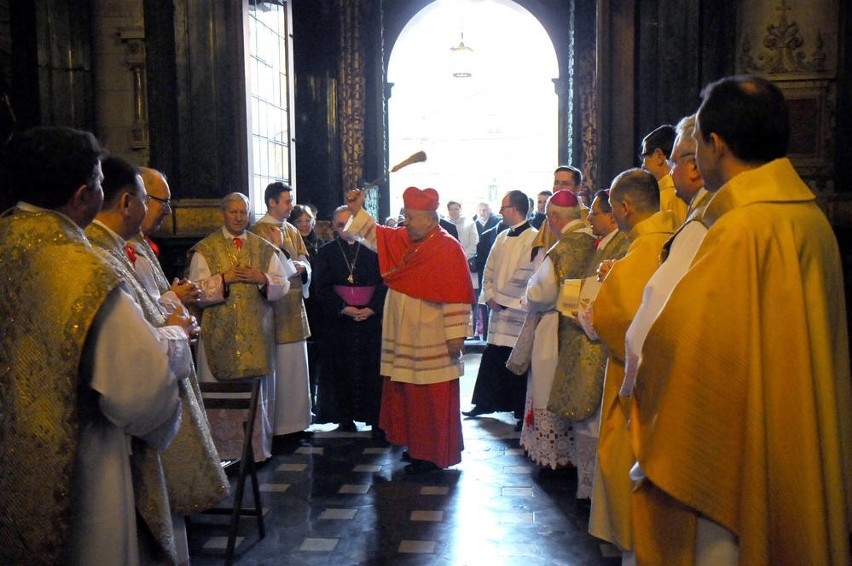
(485,134)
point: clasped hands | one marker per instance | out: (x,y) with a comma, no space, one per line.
(187,291)
(181,317)
(244,274)
(604,268)
(357,314)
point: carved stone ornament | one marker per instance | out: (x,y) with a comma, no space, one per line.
(786,51)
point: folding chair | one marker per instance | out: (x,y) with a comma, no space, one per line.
(237,399)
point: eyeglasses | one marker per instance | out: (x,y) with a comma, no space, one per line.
(672,163)
(164,201)
(502,208)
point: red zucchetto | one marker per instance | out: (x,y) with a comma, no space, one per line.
(564,199)
(415,199)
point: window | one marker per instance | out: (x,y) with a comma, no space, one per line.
(270,71)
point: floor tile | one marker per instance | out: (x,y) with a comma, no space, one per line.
(416,547)
(220,543)
(343,498)
(339,514)
(318,544)
(517,491)
(519,469)
(354,488)
(310,450)
(434,516)
(516,518)
(377,451)
(274,487)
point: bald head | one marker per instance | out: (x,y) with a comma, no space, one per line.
(634,196)
(159,205)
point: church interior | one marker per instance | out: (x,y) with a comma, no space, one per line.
(173,85)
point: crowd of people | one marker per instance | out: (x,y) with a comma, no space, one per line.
(679,338)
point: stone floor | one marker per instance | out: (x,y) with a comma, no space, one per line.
(344,499)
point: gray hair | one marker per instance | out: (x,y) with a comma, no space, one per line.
(231,197)
(684,130)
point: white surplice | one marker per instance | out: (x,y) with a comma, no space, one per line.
(292,397)
(134,367)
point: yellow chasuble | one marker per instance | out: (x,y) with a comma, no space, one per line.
(291,318)
(742,410)
(615,305)
(670,201)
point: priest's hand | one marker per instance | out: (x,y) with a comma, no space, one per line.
(455,348)
(188,292)
(351,312)
(357,314)
(355,200)
(232,275)
(604,268)
(300,267)
(186,321)
(249,274)
(363,314)
(494,305)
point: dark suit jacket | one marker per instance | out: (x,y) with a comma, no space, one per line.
(449,227)
(492,221)
(537,220)
(483,248)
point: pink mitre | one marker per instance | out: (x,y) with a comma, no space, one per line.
(565,199)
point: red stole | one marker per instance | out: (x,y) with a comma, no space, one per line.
(433,269)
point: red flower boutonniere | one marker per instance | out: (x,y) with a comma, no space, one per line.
(131,253)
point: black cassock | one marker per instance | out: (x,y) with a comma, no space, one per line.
(349,387)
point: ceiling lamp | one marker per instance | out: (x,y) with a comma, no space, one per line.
(462,60)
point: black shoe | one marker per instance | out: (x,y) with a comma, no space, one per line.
(519,426)
(346,427)
(475,411)
(406,457)
(377,434)
(421,467)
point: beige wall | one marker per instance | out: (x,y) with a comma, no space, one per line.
(118,45)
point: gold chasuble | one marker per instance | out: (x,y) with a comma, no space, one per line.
(742,409)
(194,478)
(614,308)
(570,256)
(291,318)
(42,402)
(238,334)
